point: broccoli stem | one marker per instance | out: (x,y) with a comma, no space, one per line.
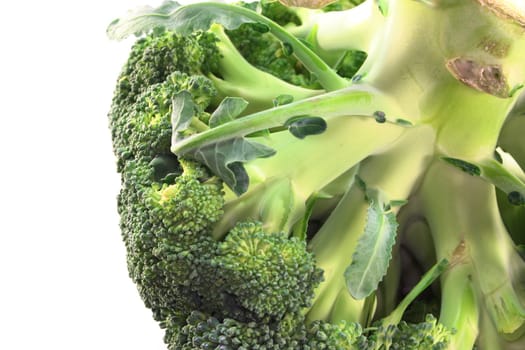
(469,116)
(459,306)
(346,30)
(461,82)
(333,246)
(336,241)
(428,278)
(346,137)
(415,235)
(240,78)
(328,78)
(358,100)
(463,209)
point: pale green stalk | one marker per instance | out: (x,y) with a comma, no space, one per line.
(394,172)
(462,210)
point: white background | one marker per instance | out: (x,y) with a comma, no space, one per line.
(63,277)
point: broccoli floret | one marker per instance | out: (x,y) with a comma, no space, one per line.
(332,336)
(289,174)
(205,332)
(269,274)
(265,52)
(146,130)
(427,335)
(154,57)
(164,227)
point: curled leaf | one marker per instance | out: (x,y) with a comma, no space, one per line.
(225,159)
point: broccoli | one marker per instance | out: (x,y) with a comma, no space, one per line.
(339,177)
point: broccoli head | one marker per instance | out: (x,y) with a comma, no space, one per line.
(310,178)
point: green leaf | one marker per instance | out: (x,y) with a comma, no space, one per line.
(184,20)
(403,122)
(181,115)
(229,109)
(380,117)
(282,100)
(225,160)
(301,227)
(374,248)
(494,172)
(303,126)
(383,6)
(515,89)
(426,281)
(501,177)
(469,168)
(141,20)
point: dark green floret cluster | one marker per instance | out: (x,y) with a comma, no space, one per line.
(343,175)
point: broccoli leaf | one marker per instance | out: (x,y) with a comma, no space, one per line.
(182,19)
(282,100)
(229,109)
(225,157)
(497,174)
(303,126)
(141,20)
(383,6)
(225,160)
(182,114)
(171,15)
(374,249)
(469,168)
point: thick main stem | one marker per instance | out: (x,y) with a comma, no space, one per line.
(303,167)
(452,64)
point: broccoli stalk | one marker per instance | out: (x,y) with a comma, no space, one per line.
(479,55)
(392,332)
(473,221)
(337,239)
(274,181)
(240,78)
(339,31)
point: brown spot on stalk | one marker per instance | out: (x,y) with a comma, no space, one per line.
(505,9)
(482,77)
(311,4)
(495,47)
(459,255)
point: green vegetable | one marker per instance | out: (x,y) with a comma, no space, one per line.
(347,177)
